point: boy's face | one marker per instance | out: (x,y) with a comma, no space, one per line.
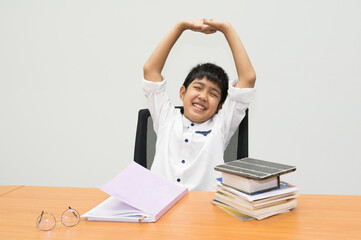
(200,100)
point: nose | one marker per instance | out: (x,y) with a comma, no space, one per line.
(203,96)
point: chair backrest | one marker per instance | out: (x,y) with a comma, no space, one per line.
(145,140)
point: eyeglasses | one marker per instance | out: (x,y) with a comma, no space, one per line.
(46,221)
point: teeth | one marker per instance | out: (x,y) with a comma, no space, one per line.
(199,106)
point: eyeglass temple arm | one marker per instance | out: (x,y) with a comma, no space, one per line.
(73,211)
(41,216)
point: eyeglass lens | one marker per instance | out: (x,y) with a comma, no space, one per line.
(46,221)
(70,217)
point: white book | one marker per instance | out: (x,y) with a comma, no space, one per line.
(112,209)
(249,185)
(137,195)
(221,195)
(283,190)
(260,215)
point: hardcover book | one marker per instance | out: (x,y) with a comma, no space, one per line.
(252,175)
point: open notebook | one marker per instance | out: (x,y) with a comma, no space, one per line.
(136,195)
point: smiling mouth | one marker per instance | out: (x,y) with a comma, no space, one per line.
(200,107)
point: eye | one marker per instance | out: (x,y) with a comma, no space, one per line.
(197,87)
(214,94)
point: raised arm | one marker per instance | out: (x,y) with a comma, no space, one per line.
(153,67)
(245,71)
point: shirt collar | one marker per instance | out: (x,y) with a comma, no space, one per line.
(187,123)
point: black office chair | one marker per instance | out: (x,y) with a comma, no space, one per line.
(145,139)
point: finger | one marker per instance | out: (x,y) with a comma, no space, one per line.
(207,28)
(198,28)
(208,21)
(210,32)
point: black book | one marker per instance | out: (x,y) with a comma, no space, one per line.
(253,175)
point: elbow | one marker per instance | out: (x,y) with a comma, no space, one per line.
(248,78)
(247,81)
(150,74)
(146,68)
(251,79)
(147,71)
(150,70)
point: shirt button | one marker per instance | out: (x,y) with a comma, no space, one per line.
(192,124)
(186,140)
(183,161)
(178,179)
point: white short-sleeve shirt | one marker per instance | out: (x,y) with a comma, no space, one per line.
(186,153)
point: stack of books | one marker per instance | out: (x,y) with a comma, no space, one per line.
(251,189)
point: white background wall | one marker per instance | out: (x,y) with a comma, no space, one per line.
(70,84)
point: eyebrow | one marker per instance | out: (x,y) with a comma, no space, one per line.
(212,88)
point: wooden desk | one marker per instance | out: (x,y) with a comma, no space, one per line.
(6,189)
(194,217)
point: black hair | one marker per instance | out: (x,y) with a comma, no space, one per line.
(213,73)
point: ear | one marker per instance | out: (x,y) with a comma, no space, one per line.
(182,92)
(219,107)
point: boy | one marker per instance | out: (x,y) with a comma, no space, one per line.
(189,146)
